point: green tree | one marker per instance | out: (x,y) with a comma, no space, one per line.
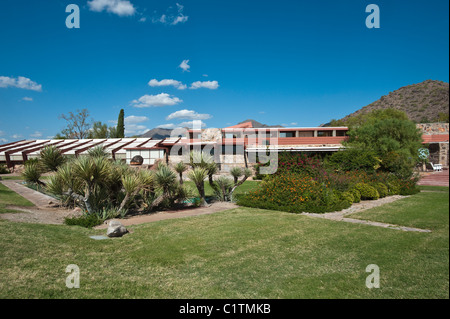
(121,124)
(98,130)
(395,140)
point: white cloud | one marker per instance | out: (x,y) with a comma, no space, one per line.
(16,136)
(119,7)
(2,133)
(3,140)
(188,115)
(167,82)
(173,16)
(185,66)
(21,83)
(162,99)
(135,129)
(132,119)
(36,134)
(167,126)
(212,85)
(190,124)
(28,99)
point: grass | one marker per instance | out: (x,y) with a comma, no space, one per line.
(9,197)
(240,253)
(248,185)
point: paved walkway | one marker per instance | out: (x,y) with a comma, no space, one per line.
(435,179)
(364,205)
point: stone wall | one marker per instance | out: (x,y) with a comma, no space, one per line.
(434,128)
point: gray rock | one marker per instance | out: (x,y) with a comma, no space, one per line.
(116,229)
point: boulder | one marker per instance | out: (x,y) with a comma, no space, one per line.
(116,229)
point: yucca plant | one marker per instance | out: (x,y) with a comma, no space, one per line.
(246,173)
(51,158)
(32,173)
(198,176)
(180,168)
(223,189)
(98,151)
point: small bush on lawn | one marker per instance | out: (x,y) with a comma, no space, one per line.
(87,221)
(367,192)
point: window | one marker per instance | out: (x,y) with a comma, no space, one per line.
(287,134)
(324,133)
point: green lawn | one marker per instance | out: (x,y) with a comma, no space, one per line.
(248,185)
(240,253)
(9,197)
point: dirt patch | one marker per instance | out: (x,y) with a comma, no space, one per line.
(135,220)
(39,216)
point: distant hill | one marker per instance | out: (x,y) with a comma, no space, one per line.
(422,102)
(157,133)
(257,124)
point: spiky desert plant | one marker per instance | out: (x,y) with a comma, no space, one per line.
(246,172)
(132,185)
(180,168)
(51,158)
(91,172)
(32,173)
(198,175)
(224,186)
(236,172)
(98,151)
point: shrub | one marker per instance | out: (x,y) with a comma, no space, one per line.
(382,189)
(367,192)
(3,169)
(87,221)
(353,159)
(356,195)
(348,196)
(294,193)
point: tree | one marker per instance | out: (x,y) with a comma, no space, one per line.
(99,130)
(376,115)
(395,140)
(78,125)
(121,125)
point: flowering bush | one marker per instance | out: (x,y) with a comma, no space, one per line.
(294,193)
(305,184)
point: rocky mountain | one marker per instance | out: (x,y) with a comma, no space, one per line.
(423,102)
(157,133)
(257,124)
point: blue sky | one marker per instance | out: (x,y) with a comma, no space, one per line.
(297,63)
